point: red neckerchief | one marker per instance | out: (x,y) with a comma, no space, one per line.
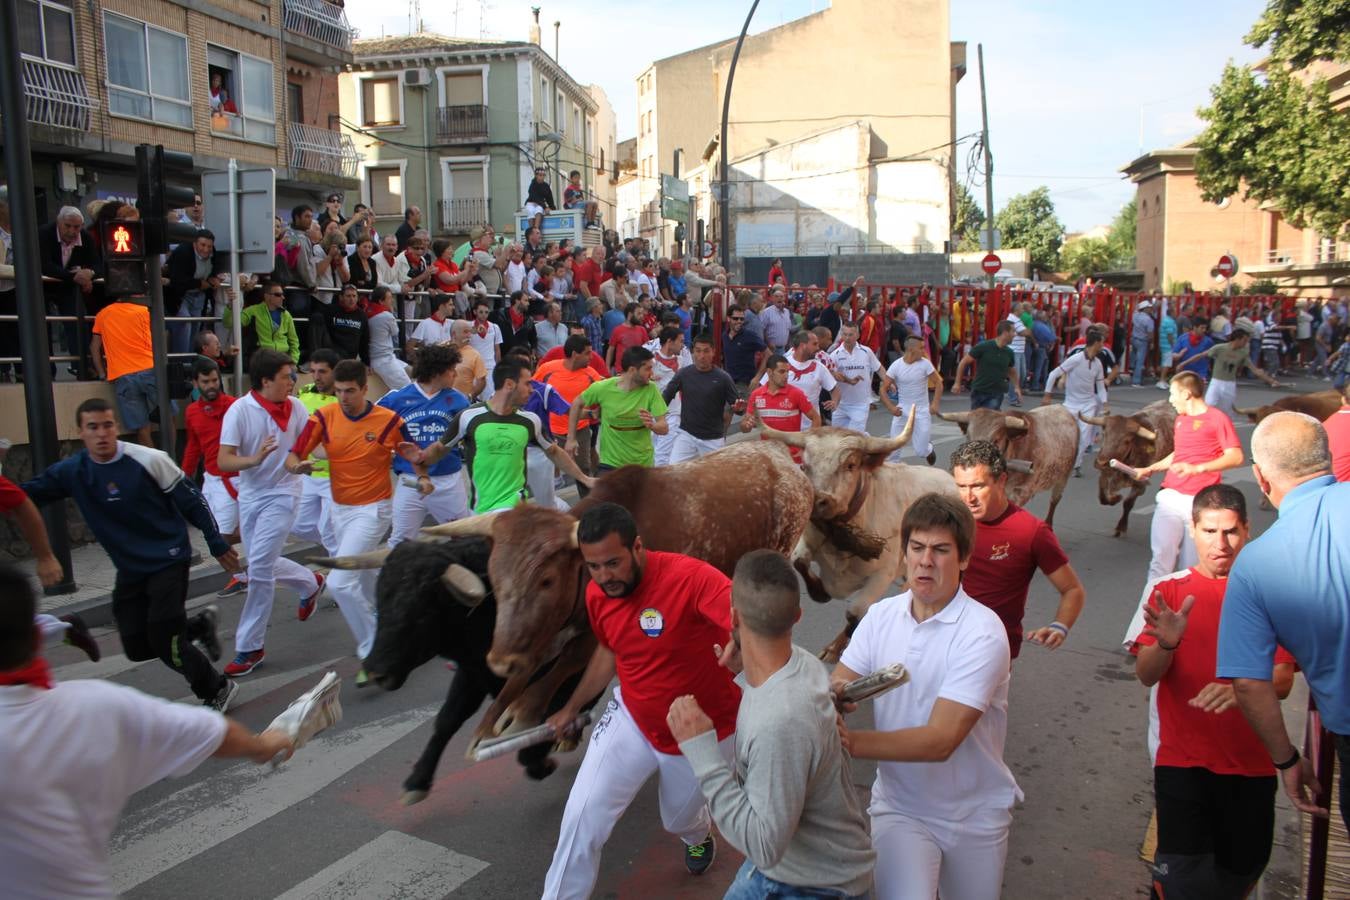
(1195,339)
(35,672)
(414,258)
(374,309)
(483,329)
(389,260)
(280,412)
(438,319)
(670,362)
(800,372)
(517,319)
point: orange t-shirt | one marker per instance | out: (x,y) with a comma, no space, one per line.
(124,327)
(471,367)
(569,386)
(360,451)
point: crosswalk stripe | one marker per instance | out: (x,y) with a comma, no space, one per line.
(250,688)
(392,865)
(158,837)
(107,667)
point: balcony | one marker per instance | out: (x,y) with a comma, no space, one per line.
(461,124)
(1325,253)
(56,96)
(323,151)
(458,216)
(323,28)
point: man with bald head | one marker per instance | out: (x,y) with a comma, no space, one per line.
(1291,587)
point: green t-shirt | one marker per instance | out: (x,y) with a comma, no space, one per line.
(312,400)
(624,440)
(1229,360)
(992,363)
(494,453)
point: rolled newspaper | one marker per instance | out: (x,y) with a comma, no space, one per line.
(540,734)
(879,682)
(1020,466)
(310,713)
(1129,471)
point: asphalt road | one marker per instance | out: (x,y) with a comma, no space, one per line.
(329,823)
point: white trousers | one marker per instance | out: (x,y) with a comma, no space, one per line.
(921,441)
(447,501)
(488,389)
(539,474)
(1170,537)
(664,444)
(53,629)
(618,762)
(1085,429)
(223,507)
(1221,395)
(314,514)
(264,523)
(391,370)
(360,529)
(689,447)
(852,416)
(920,859)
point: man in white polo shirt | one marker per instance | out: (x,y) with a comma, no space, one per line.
(259,430)
(942,803)
(1084,390)
(854,366)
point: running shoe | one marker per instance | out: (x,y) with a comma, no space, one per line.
(362,678)
(233,587)
(222,700)
(931,458)
(311,603)
(698,857)
(77,635)
(244,663)
(202,631)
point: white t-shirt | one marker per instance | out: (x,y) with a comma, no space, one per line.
(429,331)
(862,362)
(1019,341)
(245,427)
(911,383)
(1084,381)
(664,368)
(383,335)
(961,654)
(70,759)
(515,276)
(811,378)
(486,344)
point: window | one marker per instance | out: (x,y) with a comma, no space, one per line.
(546,101)
(560,108)
(47,32)
(241,95)
(381,102)
(577,133)
(464,89)
(295,102)
(147,71)
(465,193)
(384,186)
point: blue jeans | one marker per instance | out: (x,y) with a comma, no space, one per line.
(986,401)
(1020,361)
(1037,367)
(751,884)
(1138,356)
(192,304)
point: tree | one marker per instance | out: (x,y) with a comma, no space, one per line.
(1087,256)
(968,220)
(1028,220)
(1275,132)
(1121,239)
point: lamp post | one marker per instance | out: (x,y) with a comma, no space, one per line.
(723,202)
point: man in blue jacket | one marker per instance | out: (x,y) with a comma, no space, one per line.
(138,503)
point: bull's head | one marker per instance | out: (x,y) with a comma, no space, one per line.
(1124,438)
(1254,413)
(991,425)
(838,461)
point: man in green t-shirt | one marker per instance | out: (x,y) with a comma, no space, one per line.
(995,368)
(314,515)
(1229,359)
(495,436)
(631,411)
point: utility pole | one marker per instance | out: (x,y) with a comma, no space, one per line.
(988,163)
(723,199)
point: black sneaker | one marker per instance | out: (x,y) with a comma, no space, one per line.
(202,631)
(698,857)
(77,635)
(931,459)
(224,697)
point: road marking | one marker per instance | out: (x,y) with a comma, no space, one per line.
(1143,510)
(106,667)
(155,838)
(249,688)
(392,865)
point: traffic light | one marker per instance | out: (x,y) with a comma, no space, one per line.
(124,257)
(157,199)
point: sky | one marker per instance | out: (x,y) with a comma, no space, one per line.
(1072,87)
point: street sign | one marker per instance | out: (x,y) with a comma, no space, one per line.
(709,249)
(672,208)
(255,203)
(991,264)
(1228,265)
(674,188)
(984,240)
(124,257)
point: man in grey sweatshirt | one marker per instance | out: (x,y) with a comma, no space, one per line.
(789,806)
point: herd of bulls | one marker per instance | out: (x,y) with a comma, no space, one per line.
(503,599)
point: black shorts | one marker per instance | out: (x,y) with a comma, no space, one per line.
(1214,831)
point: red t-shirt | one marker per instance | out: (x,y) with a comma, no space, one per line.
(782,411)
(662,637)
(11,495)
(626,336)
(1338,435)
(588,271)
(1188,737)
(1008,551)
(1200,439)
(596,363)
(203,421)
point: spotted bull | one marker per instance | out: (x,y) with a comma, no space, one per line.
(1320,405)
(1047,436)
(1137,440)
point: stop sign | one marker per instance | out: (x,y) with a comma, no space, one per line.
(991,264)
(1228,265)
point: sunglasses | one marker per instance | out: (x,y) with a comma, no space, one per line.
(738,318)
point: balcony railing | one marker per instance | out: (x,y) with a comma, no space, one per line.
(462,123)
(1323,254)
(458,216)
(320,150)
(56,96)
(320,20)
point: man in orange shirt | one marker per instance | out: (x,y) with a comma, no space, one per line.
(471,373)
(359,439)
(570,376)
(122,331)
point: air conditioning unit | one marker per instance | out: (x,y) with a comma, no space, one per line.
(416,77)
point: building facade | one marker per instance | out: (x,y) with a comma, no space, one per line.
(604,152)
(456,128)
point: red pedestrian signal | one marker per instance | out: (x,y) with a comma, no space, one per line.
(124,239)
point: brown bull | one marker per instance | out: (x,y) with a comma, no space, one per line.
(1047,436)
(1137,440)
(1319,405)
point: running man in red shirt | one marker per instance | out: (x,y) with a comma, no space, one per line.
(1213,781)
(359,439)
(1338,436)
(202,420)
(662,621)
(777,404)
(1010,545)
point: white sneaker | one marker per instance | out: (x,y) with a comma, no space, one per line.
(1161,385)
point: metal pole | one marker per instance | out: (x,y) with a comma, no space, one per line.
(34,345)
(723,202)
(159,347)
(988,165)
(236,292)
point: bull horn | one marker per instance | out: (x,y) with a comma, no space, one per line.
(371,560)
(891,444)
(1099,421)
(1014,423)
(791,438)
(961,418)
(473,526)
(576,529)
(1146,434)
(1247,410)
(466,587)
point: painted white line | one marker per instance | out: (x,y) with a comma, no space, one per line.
(250,688)
(1146,509)
(155,838)
(107,667)
(392,865)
